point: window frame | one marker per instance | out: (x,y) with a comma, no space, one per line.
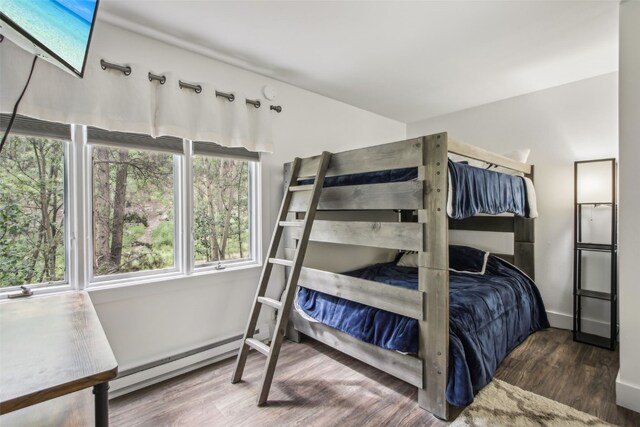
(177,248)
(252,200)
(184,244)
(65,284)
(78,215)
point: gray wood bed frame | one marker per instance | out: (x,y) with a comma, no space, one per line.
(429,235)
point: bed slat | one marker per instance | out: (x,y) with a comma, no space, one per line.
(388,235)
(404,367)
(406,302)
(503,224)
(395,155)
(396,195)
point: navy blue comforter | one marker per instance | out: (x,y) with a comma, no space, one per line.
(490,315)
(474,190)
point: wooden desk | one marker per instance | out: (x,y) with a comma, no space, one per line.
(51,346)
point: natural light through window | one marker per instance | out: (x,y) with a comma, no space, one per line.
(82,206)
(32,212)
(221,209)
(133,211)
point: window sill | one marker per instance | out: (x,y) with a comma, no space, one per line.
(229,266)
(171,277)
(38,290)
(169,280)
(198,282)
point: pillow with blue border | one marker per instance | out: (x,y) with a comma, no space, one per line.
(465,259)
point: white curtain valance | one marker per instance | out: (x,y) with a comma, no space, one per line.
(108,99)
(29,126)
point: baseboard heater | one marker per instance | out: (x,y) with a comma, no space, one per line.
(173,358)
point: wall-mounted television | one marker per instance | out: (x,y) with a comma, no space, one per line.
(56,30)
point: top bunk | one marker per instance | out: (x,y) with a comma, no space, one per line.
(393,177)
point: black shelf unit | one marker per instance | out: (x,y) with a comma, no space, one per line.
(611,248)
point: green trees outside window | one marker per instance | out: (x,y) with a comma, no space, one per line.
(133,210)
(31,211)
(132,206)
(221,209)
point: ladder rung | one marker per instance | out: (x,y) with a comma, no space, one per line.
(270,302)
(280,261)
(307,187)
(258,345)
(272,351)
(291,223)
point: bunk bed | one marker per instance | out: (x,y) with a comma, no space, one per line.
(414,182)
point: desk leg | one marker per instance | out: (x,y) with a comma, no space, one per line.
(102,404)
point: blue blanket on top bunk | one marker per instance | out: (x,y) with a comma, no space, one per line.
(490,315)
(474,190)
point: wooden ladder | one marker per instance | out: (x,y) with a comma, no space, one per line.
(284,305)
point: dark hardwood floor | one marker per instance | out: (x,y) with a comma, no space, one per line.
(315,385)
(551,364)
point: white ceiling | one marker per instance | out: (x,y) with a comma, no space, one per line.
(404,60)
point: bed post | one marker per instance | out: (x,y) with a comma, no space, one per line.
(524,242)
(434,276)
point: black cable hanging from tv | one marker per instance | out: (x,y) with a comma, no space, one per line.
(15,108)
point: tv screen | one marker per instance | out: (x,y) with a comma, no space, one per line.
(57,30)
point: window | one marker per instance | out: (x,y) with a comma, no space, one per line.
(32,210)
(224,200)
(133,211)
(82,206)
(221,200)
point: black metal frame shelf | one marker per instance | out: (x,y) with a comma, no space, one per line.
(592,339)
(610,248)
(594,204)
(594,294)
(597,247)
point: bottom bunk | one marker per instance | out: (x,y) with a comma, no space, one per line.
(493,308)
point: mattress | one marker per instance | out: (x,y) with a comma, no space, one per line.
(490,315)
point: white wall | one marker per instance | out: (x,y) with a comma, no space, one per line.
(628,382)
(572,122)
(146,322)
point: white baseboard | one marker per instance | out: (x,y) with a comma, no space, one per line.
(590,326)
(627,395)
(133,382)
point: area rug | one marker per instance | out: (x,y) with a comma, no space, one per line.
(501,404)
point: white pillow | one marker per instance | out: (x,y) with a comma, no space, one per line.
(408,259)
(519,155)
(532,201)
